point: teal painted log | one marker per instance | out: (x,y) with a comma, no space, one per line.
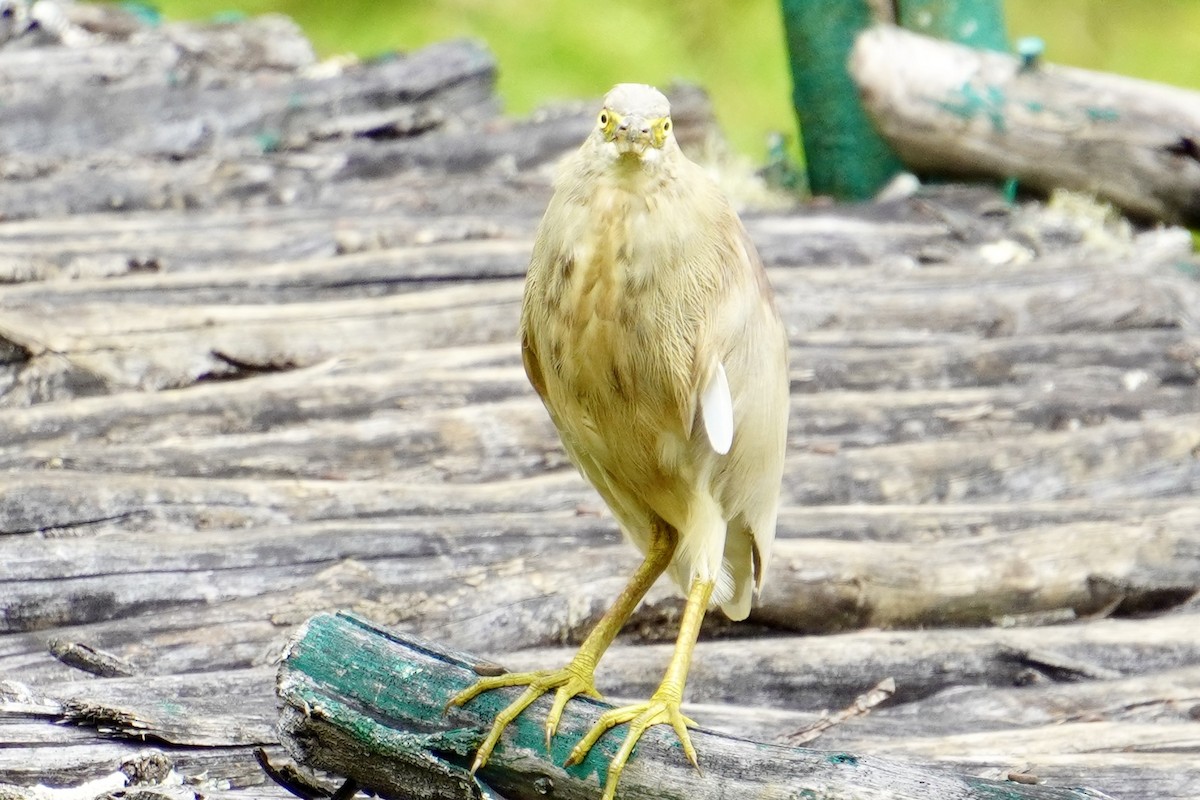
(962,112)
(975,23)
(369,705)
(846,158)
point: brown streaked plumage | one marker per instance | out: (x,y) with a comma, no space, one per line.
(650,333)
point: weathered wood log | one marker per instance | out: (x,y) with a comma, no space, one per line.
(48,503)
(1042,689)
(188,137)
(293,387)
(202,719)
(439,85)
(819,672)
(931,453)
(207,429)
(955,682)
(184,116)
(499,591)
(154,730)
(70,342)
(365,216)
(952,110)
(248,51)
(851,390)
(371,706)
(1114,459)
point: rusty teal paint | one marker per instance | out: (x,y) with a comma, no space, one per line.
(1190,269)
(594,763)
(969,102)
(1010,190)
(420,749)
(975,23)
(146,13)
(1101,114)
(842,758)
(372,677)
(990,790)
(379,682)
(810,794)
(268,141)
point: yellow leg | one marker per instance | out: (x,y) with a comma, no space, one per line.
(664,704)
(577,677)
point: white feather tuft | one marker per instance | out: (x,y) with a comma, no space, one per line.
(716,407)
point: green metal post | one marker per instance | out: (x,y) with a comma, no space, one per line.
(977,23)
(845,155)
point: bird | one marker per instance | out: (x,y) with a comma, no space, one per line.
(651,334)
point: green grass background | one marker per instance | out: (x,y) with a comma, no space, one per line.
(557,49)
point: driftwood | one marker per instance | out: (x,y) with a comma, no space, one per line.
(947,109)
(278,377)
(362,703)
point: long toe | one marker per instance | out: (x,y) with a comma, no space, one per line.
(641,717)
(566,682)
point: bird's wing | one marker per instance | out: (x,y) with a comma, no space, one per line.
(533,370)
(749,338)
(630,516)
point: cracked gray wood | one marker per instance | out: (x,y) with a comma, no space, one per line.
(274,374)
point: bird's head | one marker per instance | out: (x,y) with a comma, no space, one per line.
(635,122)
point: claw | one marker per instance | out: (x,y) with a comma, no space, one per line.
(682,732)
(641,716)
(568,682)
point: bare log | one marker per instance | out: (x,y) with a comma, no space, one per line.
(433,87)
(819,672)
(952,110)
(490,578)
(155,730)
(70,342)
(247,52)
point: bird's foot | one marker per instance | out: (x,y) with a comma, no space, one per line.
(573,679)
(662,708)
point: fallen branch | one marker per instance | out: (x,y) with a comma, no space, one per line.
(954,110)
(369,705)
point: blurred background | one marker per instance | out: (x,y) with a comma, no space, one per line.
(733,48)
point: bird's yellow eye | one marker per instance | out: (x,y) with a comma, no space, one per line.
(608,123)
(661,128)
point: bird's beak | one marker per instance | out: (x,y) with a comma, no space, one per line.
(633,135)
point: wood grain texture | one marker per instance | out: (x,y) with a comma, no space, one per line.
(246,379)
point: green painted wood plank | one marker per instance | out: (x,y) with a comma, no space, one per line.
(369,704)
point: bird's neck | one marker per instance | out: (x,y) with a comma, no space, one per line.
(634,175)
